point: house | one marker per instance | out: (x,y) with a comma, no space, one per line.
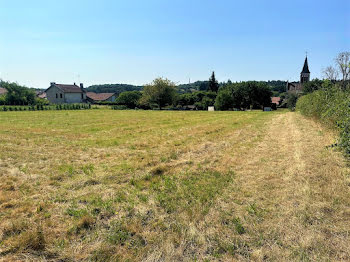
(297,87)
(276,100)
(3,91)
(40,94)
(100,97)
(65,94)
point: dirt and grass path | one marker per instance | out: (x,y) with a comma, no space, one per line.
(291,195)
(171,186)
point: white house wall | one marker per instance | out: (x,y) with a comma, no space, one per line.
(71,98)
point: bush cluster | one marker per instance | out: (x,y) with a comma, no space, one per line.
(332,107)
(72,106)
(200,99)
(243,95)
(39,107)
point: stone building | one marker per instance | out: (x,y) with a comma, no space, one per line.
(297,87)
(65,94)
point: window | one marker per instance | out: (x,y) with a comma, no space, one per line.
(56,95)
(61,96)
(82,96)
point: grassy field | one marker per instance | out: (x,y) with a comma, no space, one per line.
(104,185)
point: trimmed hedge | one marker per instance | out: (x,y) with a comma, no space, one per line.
(332,107)
(44,107)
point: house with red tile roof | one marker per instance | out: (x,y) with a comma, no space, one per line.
(66,94)
(100,97)
(276,100)
(3,91)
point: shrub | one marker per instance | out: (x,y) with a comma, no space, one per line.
(292,101)
(129,98)
(330,106)
(119,107)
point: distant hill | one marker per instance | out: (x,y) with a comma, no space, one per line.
(196,86)
(113,88)
(277,86)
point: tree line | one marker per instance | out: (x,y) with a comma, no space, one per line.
(163,93)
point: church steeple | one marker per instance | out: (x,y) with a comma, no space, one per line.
(305,73)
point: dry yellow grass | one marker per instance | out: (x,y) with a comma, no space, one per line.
(171,186)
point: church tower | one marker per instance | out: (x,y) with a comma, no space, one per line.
(305,74)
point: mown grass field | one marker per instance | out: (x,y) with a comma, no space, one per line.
(105,185)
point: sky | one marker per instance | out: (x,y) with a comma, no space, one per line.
(135,41)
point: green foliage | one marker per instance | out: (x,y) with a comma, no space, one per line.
(40,107)
(278,87)
(119,107)
(113,88)
(2,99)
(193,87)
(129,99)
(41,101)
(200,99)
(227,98)
(17,95)
(312,86)
(160,92)
(292,99)
(213,84)
(331,106)
(243,95)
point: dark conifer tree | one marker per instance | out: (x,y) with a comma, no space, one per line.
(213,83)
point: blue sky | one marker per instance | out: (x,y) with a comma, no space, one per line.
(135,41)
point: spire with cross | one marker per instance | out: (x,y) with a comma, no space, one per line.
(305,73)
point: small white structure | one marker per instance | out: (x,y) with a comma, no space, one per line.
(211,108)
(267,109)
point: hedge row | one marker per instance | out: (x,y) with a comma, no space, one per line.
(332,107)
(44,107)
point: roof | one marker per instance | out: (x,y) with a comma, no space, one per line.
(70,88)
(276,100)
(306,67)
(99,96)
(42,95)
(3,91)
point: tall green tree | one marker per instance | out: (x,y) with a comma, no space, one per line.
(129,98)
(160,92)
(213,83)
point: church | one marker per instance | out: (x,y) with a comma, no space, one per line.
(297,87)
